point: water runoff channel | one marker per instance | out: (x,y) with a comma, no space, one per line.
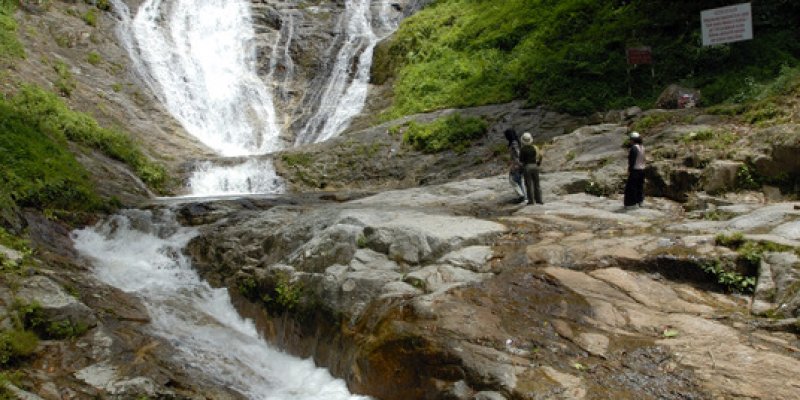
(198,58)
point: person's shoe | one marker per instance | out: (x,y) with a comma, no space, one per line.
(530,202)
(539,202)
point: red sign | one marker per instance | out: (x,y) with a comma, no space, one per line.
(639,55)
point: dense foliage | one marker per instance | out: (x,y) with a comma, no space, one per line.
(448,133)
(570,54)
(38,169)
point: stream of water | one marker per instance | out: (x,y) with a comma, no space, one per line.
(140,252)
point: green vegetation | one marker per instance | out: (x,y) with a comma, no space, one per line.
(66,81)
(9,44)
(48,113)
(749,250)
(94,58)
(15,345)
(279,295)
(747,179)
(296,159)
(570,54)
(729,278)
(38,171)
(90,17)
(448,133)
(651,121)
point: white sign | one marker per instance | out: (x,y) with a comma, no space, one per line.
(727,24)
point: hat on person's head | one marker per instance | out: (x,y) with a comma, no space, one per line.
(635,135)
(527,138)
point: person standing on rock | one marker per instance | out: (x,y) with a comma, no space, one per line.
(634,187)
(514,167)
(531,158)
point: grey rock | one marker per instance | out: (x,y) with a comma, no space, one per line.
(10,254)
(473,258)
(720,175)
(487,395)
(789,230)
(57,304)
(434,278)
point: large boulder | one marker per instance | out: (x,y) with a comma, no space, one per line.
(60,310)
(675,96)
(720,175)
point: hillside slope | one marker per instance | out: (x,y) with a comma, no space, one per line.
(571,54)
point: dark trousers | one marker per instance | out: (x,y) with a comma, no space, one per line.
(531,174)
(634,188)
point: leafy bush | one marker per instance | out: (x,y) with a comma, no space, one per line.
(570,54)
(451,132)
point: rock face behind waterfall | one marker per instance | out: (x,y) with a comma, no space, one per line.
(298,45)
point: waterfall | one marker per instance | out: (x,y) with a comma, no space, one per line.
(140,252)
(199,59)
(345,91)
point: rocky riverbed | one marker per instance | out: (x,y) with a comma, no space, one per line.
(455,291)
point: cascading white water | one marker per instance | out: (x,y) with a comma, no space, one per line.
(199,59)
(215,180)
(141,252)
(346,91)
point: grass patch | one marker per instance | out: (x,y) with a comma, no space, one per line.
(651,121)
(37,170)
(448,133)
(90,17)
(65,83)
(9,43)
(16,345)
(49,115)
(297,159)
(94,58)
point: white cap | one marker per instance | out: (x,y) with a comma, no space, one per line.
(527,138)
(634,135)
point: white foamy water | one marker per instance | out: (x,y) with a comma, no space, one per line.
(252,176)
(345,90)
(199,58)
(140,252)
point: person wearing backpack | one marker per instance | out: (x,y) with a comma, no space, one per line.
(531,158)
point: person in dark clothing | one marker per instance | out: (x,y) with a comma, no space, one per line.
(514,167)
(531,158)
(634,187)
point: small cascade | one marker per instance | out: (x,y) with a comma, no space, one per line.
(140,252)
(281,65)
(345,90)
(252,176)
